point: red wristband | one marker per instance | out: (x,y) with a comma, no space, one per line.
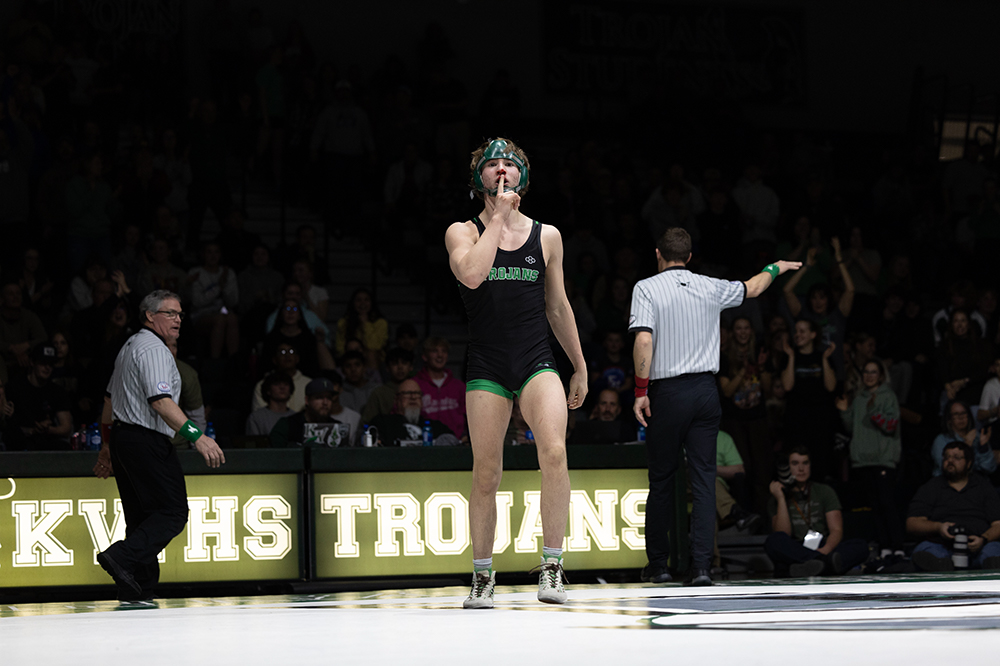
(641,386)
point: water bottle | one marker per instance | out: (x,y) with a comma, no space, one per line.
(529,437)
(210,430)
(93,438)
(369,440)
(960,549)
(642,433)
(428,435)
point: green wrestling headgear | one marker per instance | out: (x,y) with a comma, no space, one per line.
(501,149)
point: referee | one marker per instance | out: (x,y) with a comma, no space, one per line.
(675,318)
(142,403)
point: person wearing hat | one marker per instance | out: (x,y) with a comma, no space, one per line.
(42,421)
(315,424)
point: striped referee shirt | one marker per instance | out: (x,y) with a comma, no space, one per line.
(681,310)
(145,372)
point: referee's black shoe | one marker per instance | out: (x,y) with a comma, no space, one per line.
(699,578)
(655,574)
(123,579)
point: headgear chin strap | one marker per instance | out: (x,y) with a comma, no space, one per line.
(499,150)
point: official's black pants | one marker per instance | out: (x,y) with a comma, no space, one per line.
(685,411)
(154,499)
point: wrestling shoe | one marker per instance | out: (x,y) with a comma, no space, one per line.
(481,595)
(550,581)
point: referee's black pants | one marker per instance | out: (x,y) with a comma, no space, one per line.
(154,499)
(685,411)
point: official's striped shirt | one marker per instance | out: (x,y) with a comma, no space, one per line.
(145,372)
(681,310)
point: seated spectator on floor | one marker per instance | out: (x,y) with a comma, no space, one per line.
(42,420)
(20,329)
(444,394)
(404,427)
(959,426)
(956,499)
(191,401)
(277,388)
(730,487)
(808,527)
(358,386)
(215,296)
(365,322)
(605,425)
(316,297)
(314,425)
(382,399)
(285,360)
(292,291)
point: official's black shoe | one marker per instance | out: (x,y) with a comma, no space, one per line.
(123,579)
(655,574)
(699,578)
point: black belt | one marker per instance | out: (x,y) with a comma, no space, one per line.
(689,375)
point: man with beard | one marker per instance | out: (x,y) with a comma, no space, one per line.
(956,499)
(405,426)
(314,425)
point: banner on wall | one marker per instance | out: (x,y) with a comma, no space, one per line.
(412,523)
(241,527)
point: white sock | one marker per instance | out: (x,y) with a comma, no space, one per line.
(485,564)
(551,552)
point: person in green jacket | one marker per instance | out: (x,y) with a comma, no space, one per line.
(872,420)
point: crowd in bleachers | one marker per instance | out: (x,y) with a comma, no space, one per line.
(876,355)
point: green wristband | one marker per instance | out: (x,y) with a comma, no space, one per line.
(190,431)
(772,270)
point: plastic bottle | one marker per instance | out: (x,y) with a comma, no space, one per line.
(78,442)
(529,437)
(641,435)
(960,548)
(93,438)
(210,430)
(368,436)
(428,435)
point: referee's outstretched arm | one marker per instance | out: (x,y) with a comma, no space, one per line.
(759,283)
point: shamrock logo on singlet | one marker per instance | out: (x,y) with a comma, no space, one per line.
(530,259)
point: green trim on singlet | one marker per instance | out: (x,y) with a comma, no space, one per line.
(535,374)
(489,386)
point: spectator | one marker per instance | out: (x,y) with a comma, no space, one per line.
(605,425)
(314,425)
(871,418)
(817,306)
(35,283)
(131,260)
(42,421)
(87,325)
(144,189)
(292,291)
(66,371)
(363,321)
(20,330)
(806,237)
(174,163)
(191,402)
(404,427)
(276,389)
(82,287)
(209,168)
(864,265)
(304,247)
(400,364)
(963,360)
(612,312)
(989,400)
(348,417)
(961,296)
(959,426)
(316,297)
(163,273)
(214,298)
(613,368)
(759,208)
(730,484)
(236,243)
(90,204)
(808,381)
(808,527)
(259,289)
(443,393)
(956,499)
(313,354)
(285,360)
(744,386)
(357,387)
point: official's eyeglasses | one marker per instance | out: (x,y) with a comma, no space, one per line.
(171,314)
